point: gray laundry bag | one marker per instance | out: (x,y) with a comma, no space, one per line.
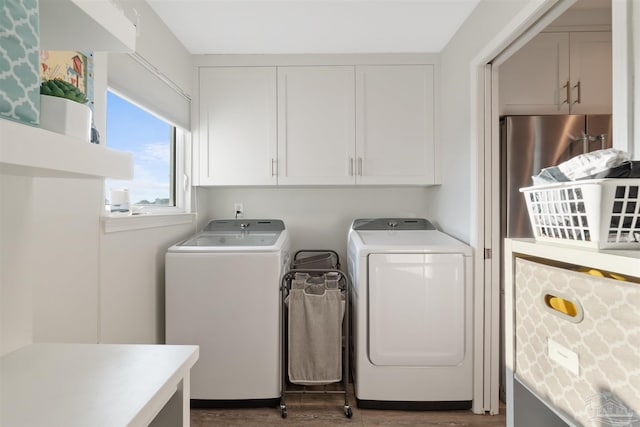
(316,310)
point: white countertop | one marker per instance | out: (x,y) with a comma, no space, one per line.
(621,261)
(91,384)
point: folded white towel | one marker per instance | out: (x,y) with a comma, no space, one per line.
(588,164)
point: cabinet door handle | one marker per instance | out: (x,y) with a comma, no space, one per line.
(274,167)
(579,87)
(567,88)
(360,166)
(350,166)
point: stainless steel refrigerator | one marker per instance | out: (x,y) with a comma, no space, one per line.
(530,143)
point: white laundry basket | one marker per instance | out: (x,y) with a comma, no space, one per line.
(601,214)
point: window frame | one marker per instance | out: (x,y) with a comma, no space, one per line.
(180,189)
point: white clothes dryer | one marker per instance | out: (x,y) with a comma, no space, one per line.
(223,294)
(412,315)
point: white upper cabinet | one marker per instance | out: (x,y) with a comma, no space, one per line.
(384,134)
(591,71)
(535,80)
(316,125)
(395,124)
(325,124)
(559,73)
(237,126)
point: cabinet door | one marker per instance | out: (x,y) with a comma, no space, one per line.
(536,78)
(238,126)
(590,63)
(395,124)
(316,136)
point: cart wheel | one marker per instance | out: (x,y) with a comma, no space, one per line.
(347,412)
(283,411)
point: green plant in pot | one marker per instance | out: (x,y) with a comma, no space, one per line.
(64,109)
(62,89)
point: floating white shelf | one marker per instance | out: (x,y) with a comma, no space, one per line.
(85,25)
(33,151)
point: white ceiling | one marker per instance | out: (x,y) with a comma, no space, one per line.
(313,26)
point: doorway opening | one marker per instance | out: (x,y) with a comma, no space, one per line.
(488,174)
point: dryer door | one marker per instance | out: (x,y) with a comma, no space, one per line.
(416,309)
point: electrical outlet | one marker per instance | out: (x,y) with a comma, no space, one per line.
(238,210)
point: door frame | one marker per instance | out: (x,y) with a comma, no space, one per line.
(486,146)
(485,134)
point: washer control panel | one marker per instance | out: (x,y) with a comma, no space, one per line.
(392,224)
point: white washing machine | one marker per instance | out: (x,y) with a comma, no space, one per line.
(412,315)
(223,294)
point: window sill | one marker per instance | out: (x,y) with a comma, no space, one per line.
(113,224)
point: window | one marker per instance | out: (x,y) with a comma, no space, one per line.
(148,114)
(157,148)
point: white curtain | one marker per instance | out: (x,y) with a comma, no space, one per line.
(132,77)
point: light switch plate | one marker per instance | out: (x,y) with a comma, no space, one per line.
(563,356)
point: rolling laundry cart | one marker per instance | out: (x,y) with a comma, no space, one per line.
(315,326)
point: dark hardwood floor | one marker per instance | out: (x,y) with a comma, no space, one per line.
(328,410)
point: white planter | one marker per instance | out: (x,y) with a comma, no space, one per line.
(65,116)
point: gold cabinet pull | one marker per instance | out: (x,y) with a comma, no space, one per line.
(567,88)
(579,87)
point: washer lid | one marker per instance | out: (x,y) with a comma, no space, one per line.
(407,241)
(248,235)
(231,241)
(232,238)
(392,224)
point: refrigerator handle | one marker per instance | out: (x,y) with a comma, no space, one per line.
(585,138)
(603,140)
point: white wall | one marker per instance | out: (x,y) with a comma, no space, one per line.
(626,75)
(635,73)
(448,205)
(49,261)
(132,262)
(158,45)
(317,218)
(580,17)
(132,283)
(16,286)
(61,277)
(455,200)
